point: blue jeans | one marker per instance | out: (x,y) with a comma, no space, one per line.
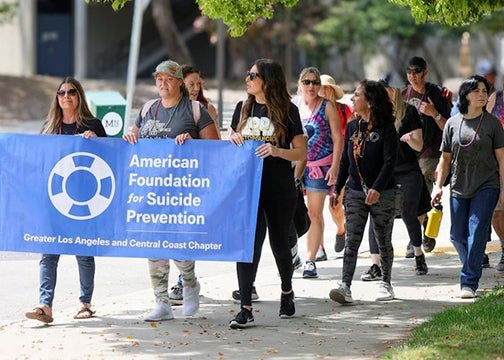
(48,275)
(470,223)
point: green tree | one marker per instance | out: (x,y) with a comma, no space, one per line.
(382,27)
(451,12)
(240,14)
(7,11)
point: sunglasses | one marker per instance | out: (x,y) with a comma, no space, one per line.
(415,70)
(252,75)
(308,82)
(71,92)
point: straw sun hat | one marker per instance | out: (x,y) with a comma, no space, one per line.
(327,80)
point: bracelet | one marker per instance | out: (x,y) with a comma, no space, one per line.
(297,181)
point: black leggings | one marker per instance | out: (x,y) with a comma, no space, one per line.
(276,215)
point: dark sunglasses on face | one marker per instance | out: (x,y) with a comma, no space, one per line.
(252,75)
(71,92)
(308,82)
(415,70)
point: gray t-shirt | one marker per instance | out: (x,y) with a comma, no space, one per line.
(474,166)
(162,123)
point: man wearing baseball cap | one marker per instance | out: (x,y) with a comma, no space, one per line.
(433,103)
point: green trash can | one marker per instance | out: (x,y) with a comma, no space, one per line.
(110,107)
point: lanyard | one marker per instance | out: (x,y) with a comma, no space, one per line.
(359,145)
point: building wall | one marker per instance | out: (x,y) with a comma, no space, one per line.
(108,37)
(10,61)
(18,41)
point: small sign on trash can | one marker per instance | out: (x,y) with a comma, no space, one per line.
(110,107)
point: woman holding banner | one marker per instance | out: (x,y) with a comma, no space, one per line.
(172,116)
(69,115)
(269,115)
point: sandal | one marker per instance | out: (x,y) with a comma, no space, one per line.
(40,314)
(84,313)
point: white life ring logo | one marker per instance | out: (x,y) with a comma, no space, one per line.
(81,186)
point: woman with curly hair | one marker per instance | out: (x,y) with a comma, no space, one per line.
(367,172)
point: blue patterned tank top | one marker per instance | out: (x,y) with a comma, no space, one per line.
(317,126)
(498,109)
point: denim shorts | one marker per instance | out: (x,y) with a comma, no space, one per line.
(315,185)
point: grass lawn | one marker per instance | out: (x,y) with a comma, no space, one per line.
(470,331)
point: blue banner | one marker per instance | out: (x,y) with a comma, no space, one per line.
(106,197)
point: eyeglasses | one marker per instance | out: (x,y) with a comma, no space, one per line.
(308,82)
(71,92)
(252,75)
(415,70)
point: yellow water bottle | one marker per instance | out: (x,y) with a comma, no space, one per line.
(434,221)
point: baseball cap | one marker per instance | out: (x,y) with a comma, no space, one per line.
(484,67)
(417,61)
(169,67)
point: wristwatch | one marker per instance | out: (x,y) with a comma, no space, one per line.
(438,117)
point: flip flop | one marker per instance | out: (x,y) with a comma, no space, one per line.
(84,313)
(40,316)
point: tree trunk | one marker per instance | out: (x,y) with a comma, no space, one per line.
(170,36)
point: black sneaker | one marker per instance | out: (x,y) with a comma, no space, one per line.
(428,244)
(340,242)
(176,294)
(236,294)
(500,265)
(321,255)
(372,274)
(410,251)
(485,263)
(287,306)
(421,266)
(243,320)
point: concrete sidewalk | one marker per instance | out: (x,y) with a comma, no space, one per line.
(322,329)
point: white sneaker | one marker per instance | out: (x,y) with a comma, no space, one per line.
(162,311)
(342,294)
(467,293)
(385,292)
(191,299)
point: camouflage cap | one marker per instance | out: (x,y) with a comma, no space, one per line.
(169,67)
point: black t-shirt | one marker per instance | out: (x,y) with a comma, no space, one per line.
(441,97)
(278,177)
(92,124)
(407,158)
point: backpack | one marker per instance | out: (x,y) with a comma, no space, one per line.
(195,108)
(345,112)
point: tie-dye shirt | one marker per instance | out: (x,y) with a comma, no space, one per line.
(498,109)
(320,143)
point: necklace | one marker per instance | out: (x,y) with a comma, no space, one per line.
(165,126)
(474,135)
(73,126)
(314,110)
(410,96)
(359,139)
